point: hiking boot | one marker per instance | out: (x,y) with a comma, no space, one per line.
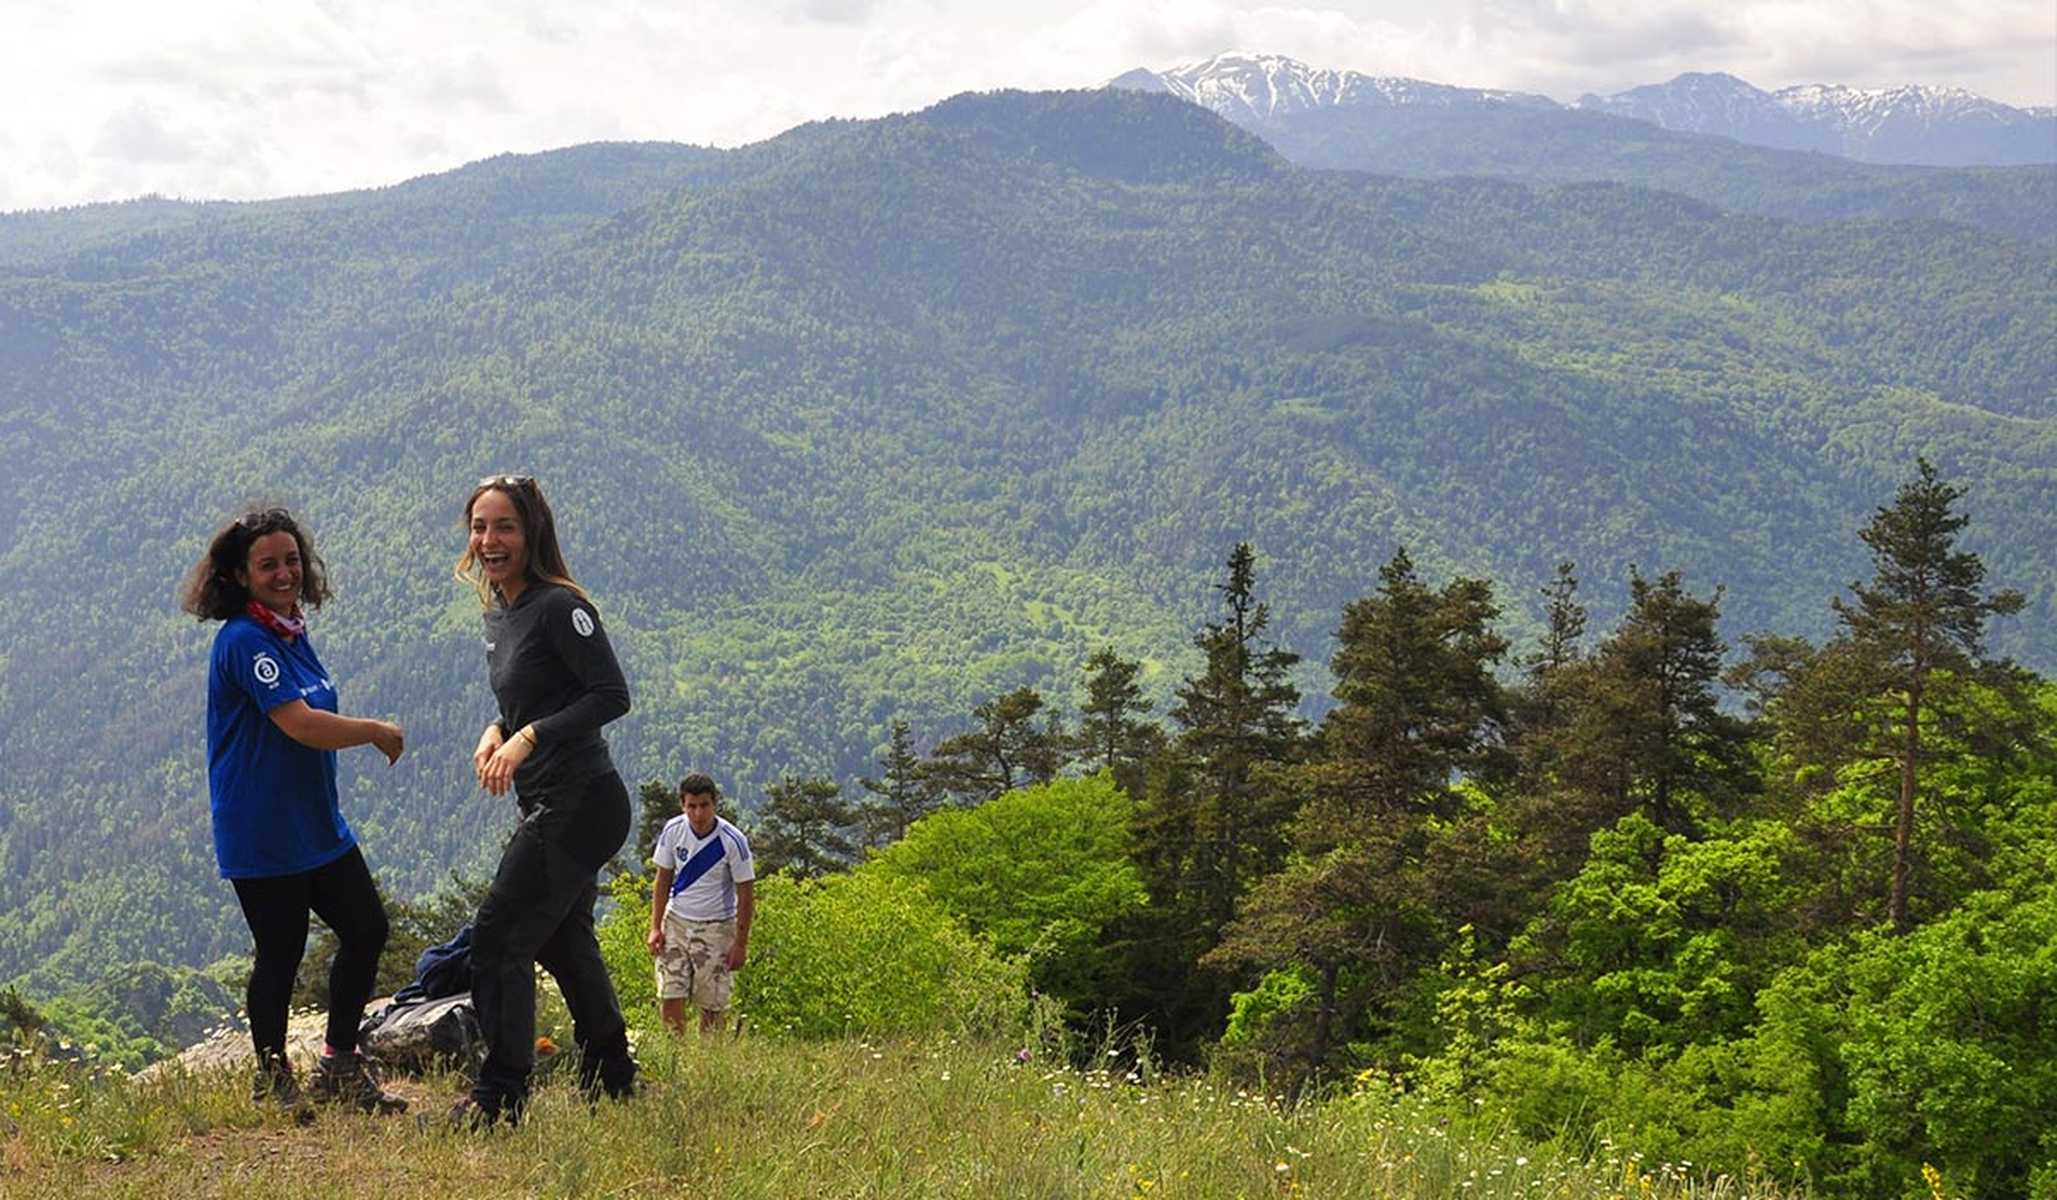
(275,1085)
(347,1079)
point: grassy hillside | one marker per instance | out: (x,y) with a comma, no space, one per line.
(883,418)
(763,1119)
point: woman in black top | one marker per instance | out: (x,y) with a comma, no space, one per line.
(555,678)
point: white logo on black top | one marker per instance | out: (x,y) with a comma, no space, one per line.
(582,621)
(266,668)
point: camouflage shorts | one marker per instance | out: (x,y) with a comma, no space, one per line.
(691,965)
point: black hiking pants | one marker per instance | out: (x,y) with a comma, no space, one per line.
(539,910)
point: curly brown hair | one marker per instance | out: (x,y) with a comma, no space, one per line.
(211,592)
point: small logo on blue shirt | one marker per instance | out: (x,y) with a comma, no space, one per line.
(266,668)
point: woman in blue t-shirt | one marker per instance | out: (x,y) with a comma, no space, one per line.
(279,836)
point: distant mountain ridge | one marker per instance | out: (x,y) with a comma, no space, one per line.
(1912,124)
(1342,120)
(1244,87)
(1932,126)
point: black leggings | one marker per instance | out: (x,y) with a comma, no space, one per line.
(276,907)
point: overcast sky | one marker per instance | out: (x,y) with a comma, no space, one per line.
(238,99)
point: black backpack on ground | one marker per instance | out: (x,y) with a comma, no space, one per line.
(415,1037)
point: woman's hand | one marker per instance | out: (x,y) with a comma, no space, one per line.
(389,739)
(498,775)
(489,741)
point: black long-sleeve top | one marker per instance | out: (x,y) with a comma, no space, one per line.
(551,666)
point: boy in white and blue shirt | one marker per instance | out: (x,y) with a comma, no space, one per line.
(700,908)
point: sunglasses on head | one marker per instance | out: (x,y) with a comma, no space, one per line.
(508,481)
(274,517)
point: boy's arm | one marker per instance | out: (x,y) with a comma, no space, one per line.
(746,907)
(659,890)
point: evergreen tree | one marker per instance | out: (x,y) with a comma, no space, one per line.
(1541,706)
(1646,725)
(1418,707)
(1114,734)
(656,802)
(1007,750)
(1564,629)
(1208,822)
(1220,829)
(804,828)
(1050,752)
(1922,615)
(898,796)
(1417,701)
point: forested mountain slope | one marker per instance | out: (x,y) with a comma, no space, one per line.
(881,418)
(1554,146)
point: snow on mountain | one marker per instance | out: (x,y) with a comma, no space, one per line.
(1253,89)
(1938,126)
(1942,126)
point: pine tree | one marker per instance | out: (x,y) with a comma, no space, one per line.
(1049,752)
(1114,734)
(804,828)
(1564,629)
(1222,830)
(657,802)
(898,795)
(1646,726)
(1922,615)
(1542,705)
(1006,750)
(1418,708)
(1417,698)
(1207,822)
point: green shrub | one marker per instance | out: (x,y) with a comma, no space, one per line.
(866,952)
(1931,1048)
(1040,871)
(1252,1013)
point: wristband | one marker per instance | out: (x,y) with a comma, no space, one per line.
(528,732)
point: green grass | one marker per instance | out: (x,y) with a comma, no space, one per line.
(765,1118)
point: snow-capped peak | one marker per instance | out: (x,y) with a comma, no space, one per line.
(1253,88)
(1942,126)
(1909,123)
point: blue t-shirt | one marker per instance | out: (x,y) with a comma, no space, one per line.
(275,809)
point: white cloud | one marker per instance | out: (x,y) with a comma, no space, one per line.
(137,134)
(474,82)
(244,98)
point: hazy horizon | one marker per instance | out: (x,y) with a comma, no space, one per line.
(232,100)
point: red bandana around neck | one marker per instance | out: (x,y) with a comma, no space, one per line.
(286,627)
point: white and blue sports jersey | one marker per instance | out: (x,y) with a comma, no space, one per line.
(704,871)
